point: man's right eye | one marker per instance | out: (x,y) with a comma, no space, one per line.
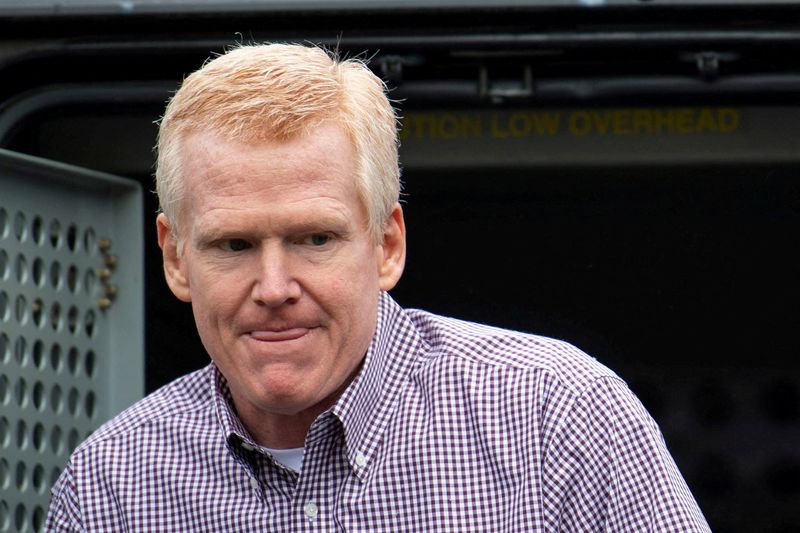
(236,245)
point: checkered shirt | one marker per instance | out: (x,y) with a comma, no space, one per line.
(449,426)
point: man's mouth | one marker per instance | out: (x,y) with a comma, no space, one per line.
(279,335)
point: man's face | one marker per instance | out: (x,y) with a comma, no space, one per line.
(281,270)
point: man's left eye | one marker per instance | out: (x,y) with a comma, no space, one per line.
(318,239)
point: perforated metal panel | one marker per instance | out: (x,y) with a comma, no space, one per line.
(71,325)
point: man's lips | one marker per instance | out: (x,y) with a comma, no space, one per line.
(288,334)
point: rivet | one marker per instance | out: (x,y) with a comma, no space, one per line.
(103,303)
(111,261)
(104,244)
(111,290)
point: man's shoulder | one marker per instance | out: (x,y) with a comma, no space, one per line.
(187,397)
(453,340)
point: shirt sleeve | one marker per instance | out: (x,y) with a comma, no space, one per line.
(64,513)
(607,468)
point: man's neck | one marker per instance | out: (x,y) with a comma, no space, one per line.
(279,431)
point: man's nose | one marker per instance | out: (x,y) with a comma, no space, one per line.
(275,283)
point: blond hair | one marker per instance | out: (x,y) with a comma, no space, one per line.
(269,92)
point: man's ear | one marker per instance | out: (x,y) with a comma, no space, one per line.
(173,261)
(392,250)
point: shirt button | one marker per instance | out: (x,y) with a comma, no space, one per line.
(361,460)
(310,509)
(254,483)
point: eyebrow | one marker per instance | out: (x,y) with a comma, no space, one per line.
(332,221)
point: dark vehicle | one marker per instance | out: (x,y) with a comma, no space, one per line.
(620,174)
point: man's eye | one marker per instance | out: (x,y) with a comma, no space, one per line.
(318,239)
(236,245)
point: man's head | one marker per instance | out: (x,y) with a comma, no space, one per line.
(288,226)
(276,92)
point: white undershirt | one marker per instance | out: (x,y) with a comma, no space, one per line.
(291,458)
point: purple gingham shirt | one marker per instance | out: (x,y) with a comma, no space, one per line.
(449,426)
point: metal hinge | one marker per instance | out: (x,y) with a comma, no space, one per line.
(498,90)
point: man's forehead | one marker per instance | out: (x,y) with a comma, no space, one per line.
(216,168)
(262,150)
(213,147)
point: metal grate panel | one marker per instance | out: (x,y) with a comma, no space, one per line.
(71,324)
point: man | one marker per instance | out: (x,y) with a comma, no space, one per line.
(327,407)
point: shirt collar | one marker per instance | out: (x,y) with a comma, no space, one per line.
(368,403)
(229,421)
